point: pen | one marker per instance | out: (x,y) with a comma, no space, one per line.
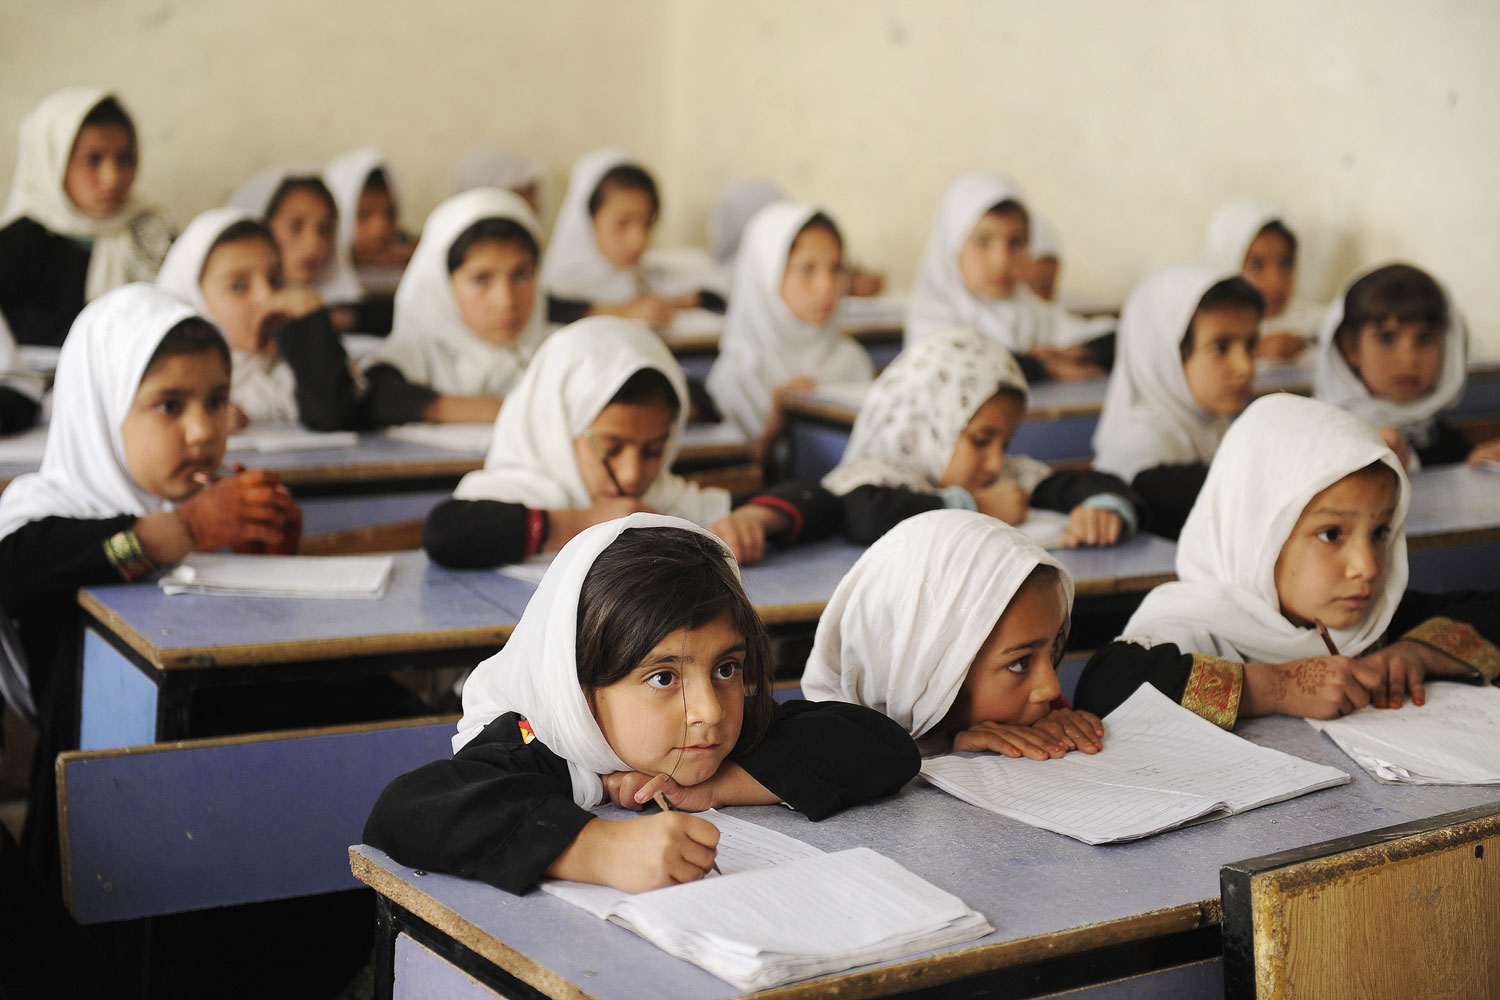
(1327,639)
(666,807)
(603,458)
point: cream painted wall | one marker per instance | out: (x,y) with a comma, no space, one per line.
(1376,124)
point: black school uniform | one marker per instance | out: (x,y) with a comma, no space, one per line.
(327,399)
(42,280)
(1168,493)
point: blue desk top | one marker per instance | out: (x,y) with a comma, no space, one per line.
(325,515)
(1452,505)
(1046,894)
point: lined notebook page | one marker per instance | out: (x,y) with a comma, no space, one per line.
(236,575)
(471,439)
(272,436)
(1454,739)
(1161,766)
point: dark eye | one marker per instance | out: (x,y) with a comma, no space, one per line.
(653,454)
(170,407)
(1330,534)
(1386,338)
(1381,533)
(239,287)
(662,679)
(726,671)
(1428,338)
(982,441)
(94,160)
(217,402)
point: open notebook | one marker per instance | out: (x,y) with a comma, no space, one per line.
(1453,739)
(1161,767)
(236,575)
(783,910)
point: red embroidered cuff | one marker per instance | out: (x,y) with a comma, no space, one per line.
(537,527)
(1460,641)
(1214,688)
(790,510)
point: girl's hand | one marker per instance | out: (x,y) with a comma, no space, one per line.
(1318,687)
(1066,363)
(1396,441)
(1403,666)
(247,507)
(1487,452)
(1092,526)
(1012,741)
(621,787)
(745,530)
(654,311)
(637,855)
(564,524)
(1079,730)
(1280,345)
(731,785)
(864,283)
(1007,501)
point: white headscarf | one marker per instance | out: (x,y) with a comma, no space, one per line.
(1150,417)
(1280,453)
(497,167)
(338,282)
(127,246)
(574,267)
(15,374)
(430,344)
(914,414)
(904,625)
(536,674)
(1045,241)
(739,203)
(1335,382)
(763,344)
(572,378)
(1233,227)
(262,385)
(84,471)
(346,177)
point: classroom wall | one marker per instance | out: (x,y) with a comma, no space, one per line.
(1376,123)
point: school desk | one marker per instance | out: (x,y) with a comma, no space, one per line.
(1453,529)
(1139,919)
(874,322)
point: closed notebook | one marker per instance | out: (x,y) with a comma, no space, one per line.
(235,575)
(273,436)
(1161,767)
(1453,739)
(470,439)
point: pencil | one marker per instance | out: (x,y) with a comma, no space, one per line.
(666,807)
(603,458)
(1327,639)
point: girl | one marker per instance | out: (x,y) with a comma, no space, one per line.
(973,275)
(288,362)
(503,168)
(953,624)
(71,230)
(1185,370)
(369,233)
(1394,350)
(589,435)
(300,211)
(933,433)
(779,333)
(467,318)
(639,665)
(1299,523)
(1249,235)
(20,388)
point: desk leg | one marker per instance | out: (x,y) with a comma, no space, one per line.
(416,961)
(117,706)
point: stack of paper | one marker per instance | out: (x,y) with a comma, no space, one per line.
(272,436)
(1045,527)
(1161,766)
(1453,739)
(471,439)
(235,575)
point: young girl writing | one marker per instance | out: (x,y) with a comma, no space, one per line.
(779,333)
(500,167)
(20,388)
(639,666)
(934,431)
(369,232)
(589,435)
(1299,523)
(71,229)
(1249,235)
(1394,350)
(1184,371)
(953,625)
(288,362)
(467,317)
(300,211)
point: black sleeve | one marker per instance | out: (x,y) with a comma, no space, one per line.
(1117,670)
(17,412)
(374,314)
(566,310)
(390,399)
(1101,350)
(712,301)
(816,513)
(1478,609)
(475,534)
(1168,493)
(821,757)
(54,556)
(1032,368)
(500,811)
(1448,445)
(1067,488)
(871,511)
(326,399)
(42,279)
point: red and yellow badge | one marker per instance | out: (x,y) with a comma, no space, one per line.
(526,734)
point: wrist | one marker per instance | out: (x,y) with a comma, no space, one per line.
(164,537)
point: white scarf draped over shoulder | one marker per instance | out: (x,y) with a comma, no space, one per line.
(574,267)
(906,622)
(1150,417)
(571,380)
(430,344)
(84,472)
(536,674)
(127,246)
(763,345)
(1280,453)
(913,416)
(346,176)
(337,283)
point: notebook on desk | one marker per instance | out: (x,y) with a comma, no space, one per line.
(1452,739)
(471,439)
(236,575)
(274,437)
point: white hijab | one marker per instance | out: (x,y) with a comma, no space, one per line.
(739,203)
(127,246)
(430,344)
(536,674)
(572,378)
(84,471)
(15,374)
(497,167)
(1150,417)
(262,385)
(904,625)
(338,282)
(1233,227)
(914,414)
(345,177)
(1280,453)
(763,345)
(1045,241)
(1337,383)
(574,267)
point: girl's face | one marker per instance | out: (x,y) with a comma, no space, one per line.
(980,453)
(1333,563)
(1271,266)
(679,712)
(303,227)
(814,277)
(101,170)
(623,224)
(994,260)
(1014,677)
(239,281)
(178,424)
(1396,360)
(374,224)
(633,437)
(495,288)
(1043,277)
(1220,369)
